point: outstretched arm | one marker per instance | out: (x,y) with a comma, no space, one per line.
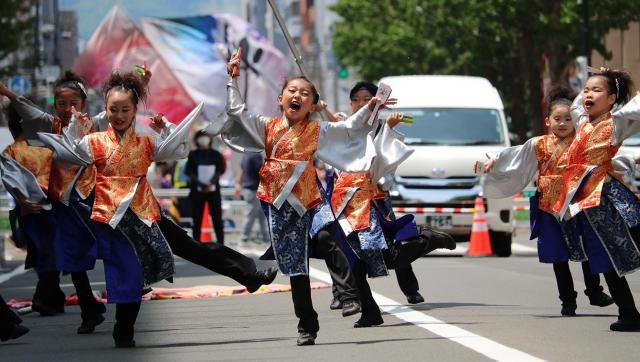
(34,120)
(626,121)
(238,128)
(510,171)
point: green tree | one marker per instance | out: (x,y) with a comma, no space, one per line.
(16,35)
(502,40)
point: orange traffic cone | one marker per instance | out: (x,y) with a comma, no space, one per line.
(479,243)
(206,230)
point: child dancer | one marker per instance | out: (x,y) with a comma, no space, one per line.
(597,204)
(512,169)
(69,91)
(378,242)
(122,195)
(288,182)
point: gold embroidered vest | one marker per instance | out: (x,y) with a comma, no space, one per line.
(358,208)
(62,175)
(35,159)
(285,148)
(552,161)
(119,167)
(591,146)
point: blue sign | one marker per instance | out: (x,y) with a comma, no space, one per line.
(20,85)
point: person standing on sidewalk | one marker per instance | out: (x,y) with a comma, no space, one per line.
(204,167)
(247,186)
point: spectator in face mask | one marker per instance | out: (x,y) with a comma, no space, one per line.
(204,167)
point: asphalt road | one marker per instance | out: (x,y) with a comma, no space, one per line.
(476,309)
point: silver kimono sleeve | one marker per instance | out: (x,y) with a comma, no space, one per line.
(578,113)
(625,121)
(625,166)
(34,120)
(100,122)
(347,145)
(20,182)
(71,146)
(391,151)
(513,169)
(175,145)
(239,129)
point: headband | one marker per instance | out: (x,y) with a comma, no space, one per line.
(73,84)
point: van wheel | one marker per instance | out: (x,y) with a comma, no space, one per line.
(500,243)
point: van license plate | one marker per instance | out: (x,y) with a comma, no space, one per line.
(440,221)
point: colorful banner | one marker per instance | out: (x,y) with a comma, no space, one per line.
(196,49)
(188,59)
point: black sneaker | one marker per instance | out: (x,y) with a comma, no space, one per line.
(600,299)
(262,277)
(351,307)
(625,325)
(306,339)
(46,310)
(125,343)
(16,331)
(335,304)
(89,324)
(368,321)
(415,298)
(569,309)
(123,336)
(437,239)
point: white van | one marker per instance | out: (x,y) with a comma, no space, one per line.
(457,121)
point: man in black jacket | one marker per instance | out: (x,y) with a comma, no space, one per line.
(204,167)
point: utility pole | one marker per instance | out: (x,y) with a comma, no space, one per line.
(586,30)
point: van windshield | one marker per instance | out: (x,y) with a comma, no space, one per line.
(451,126)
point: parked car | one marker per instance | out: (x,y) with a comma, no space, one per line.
(457,121)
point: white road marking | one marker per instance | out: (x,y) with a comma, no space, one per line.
(482,345)
(15,272)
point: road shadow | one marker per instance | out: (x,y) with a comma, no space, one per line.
(376,341)
(542,316)
(432,306)
(189,328)
(196,344)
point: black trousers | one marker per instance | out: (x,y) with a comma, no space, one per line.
(302,304)
(622,296)
(407,280)
(89,306)
(565,281)
(367,303)
(126,315)
(7,317)
(215,257)
(48,293)
(325,247)
(213,199)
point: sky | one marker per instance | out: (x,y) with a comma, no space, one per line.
(91,12)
